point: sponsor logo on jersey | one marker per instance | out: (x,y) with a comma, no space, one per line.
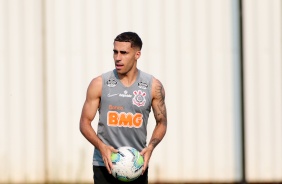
(139,98)
(114,107)
(123,119)
(142,85)
(111,95)
(111,83)
(124,94)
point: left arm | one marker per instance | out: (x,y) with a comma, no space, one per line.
(159,109)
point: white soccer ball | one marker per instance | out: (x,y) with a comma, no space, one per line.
(127,164)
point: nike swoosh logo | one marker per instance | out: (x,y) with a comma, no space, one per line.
(111,95)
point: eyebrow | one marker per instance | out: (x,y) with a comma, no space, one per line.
(122,51)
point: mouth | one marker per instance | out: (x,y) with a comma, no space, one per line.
(119,66)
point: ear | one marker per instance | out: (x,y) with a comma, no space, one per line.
(137,54)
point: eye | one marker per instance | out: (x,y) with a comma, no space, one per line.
(123,52)
(115,51)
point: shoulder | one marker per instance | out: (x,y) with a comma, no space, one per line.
(158,90)
(95,87)
(156,83)
(97,81)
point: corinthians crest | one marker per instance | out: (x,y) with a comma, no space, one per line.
(139,98)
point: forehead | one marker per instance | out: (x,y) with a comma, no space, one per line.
(122,45)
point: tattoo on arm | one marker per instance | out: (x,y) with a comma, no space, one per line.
(161,108)
(155,142)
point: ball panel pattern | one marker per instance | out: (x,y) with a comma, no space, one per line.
(127,164)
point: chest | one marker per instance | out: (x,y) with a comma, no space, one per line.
(120,98)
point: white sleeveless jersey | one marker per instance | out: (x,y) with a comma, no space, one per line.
(124,112)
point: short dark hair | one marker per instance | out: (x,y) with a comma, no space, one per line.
(131,37)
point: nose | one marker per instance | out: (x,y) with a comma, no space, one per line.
(117,56)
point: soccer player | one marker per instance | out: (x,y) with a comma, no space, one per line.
(124,98)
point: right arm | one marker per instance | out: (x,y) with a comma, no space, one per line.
(88,113)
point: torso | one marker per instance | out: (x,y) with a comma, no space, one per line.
(124,112)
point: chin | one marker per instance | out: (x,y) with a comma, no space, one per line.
(119,71)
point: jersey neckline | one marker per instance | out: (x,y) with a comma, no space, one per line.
(117,77)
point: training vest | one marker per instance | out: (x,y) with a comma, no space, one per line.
(123,112)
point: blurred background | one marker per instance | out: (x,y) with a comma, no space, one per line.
(220,62)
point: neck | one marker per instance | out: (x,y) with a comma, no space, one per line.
(129,78)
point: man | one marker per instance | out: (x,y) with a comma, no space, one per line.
(124,98)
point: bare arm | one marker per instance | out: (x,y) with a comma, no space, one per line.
(88,113)
(159,109)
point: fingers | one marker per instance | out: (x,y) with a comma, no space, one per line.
(143,151)
(145,165)
(114,150)
(146,153)
(107,158)
(144,168)
(108,164)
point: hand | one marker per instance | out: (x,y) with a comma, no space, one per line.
(146,153)
(106,152)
